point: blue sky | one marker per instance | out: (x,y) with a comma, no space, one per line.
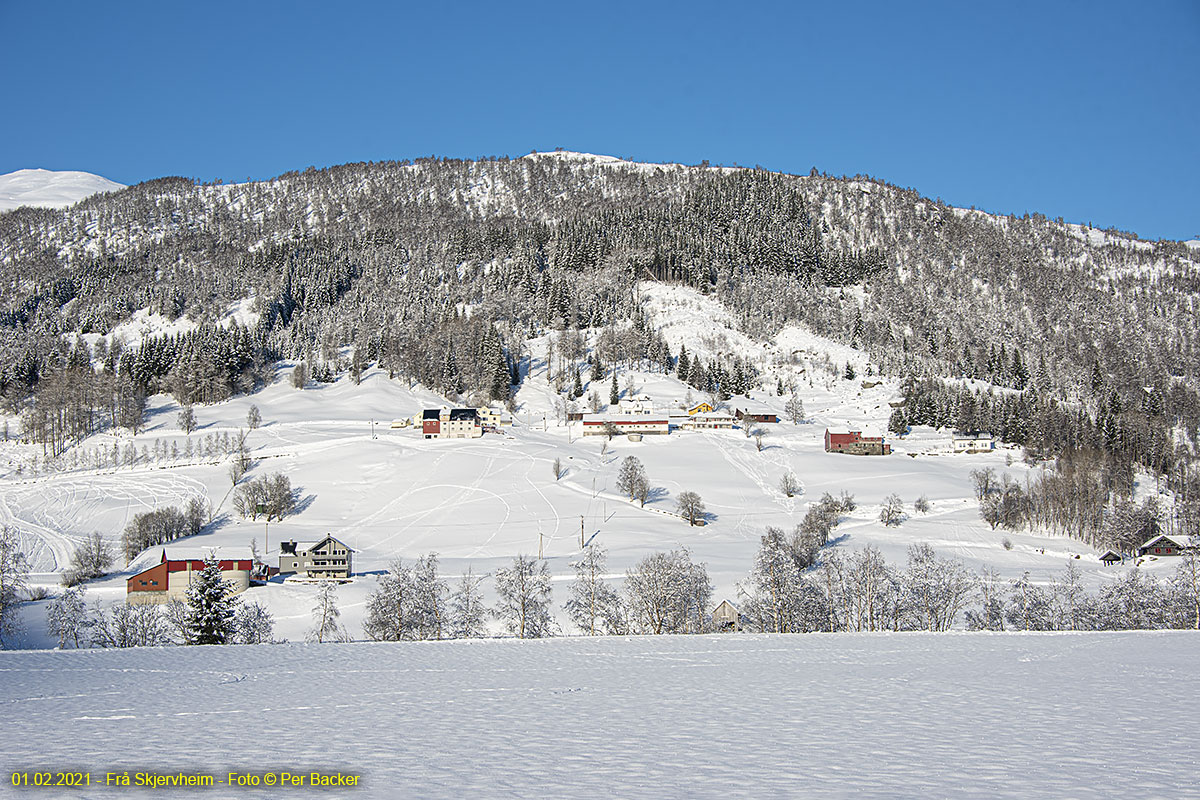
(1089,111)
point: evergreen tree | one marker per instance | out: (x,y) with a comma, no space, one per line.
(614,395)
(683,365)
(211,606)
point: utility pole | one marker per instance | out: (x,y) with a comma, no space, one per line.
(540,556)
(582,544)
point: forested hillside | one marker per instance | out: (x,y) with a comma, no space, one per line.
(440,270)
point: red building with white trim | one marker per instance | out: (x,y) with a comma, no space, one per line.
(171,577)
(855,444)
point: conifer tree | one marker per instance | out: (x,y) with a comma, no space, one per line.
(682,364)
(211,607)
(614,396)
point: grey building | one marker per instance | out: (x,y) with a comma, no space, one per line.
(327,558)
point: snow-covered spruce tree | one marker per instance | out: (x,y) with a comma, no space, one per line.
(252,624)
(594,606)
(524,598)
(468,614)
(211,606)
(67,618)
(326,627)
(614,395)
(14,569)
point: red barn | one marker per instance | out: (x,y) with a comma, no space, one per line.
(855,444)
(431,422)
(171,576)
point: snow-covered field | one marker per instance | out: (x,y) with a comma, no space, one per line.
(390,493)
(904,715)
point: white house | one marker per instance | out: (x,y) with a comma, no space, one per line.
(638,404)
(708,421)
(972,442)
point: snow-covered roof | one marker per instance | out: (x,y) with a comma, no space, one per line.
(200,552)
(301,547)
(1178,541)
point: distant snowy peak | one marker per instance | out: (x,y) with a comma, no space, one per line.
(49,189)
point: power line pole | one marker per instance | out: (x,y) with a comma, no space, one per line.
(540,556)
(582,544)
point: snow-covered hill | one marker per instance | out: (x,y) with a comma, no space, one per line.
(45,188)
(390,494)
(869,716)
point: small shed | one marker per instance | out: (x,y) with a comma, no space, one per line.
(1111,557)
(726,617)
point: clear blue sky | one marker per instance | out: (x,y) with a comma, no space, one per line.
(1089,111)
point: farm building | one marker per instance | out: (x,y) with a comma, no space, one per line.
(327,558)
(972,442)
(726,617)
(598,424)
(1111,557)
(172,575)
(855,444)
(451,423)
(1164,546)
(753,413)
(708,421)
(700,408)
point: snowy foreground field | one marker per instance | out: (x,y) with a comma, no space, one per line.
(910,715)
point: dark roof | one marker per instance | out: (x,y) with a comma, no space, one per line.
(431,413)
(463,414)
(288,548)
